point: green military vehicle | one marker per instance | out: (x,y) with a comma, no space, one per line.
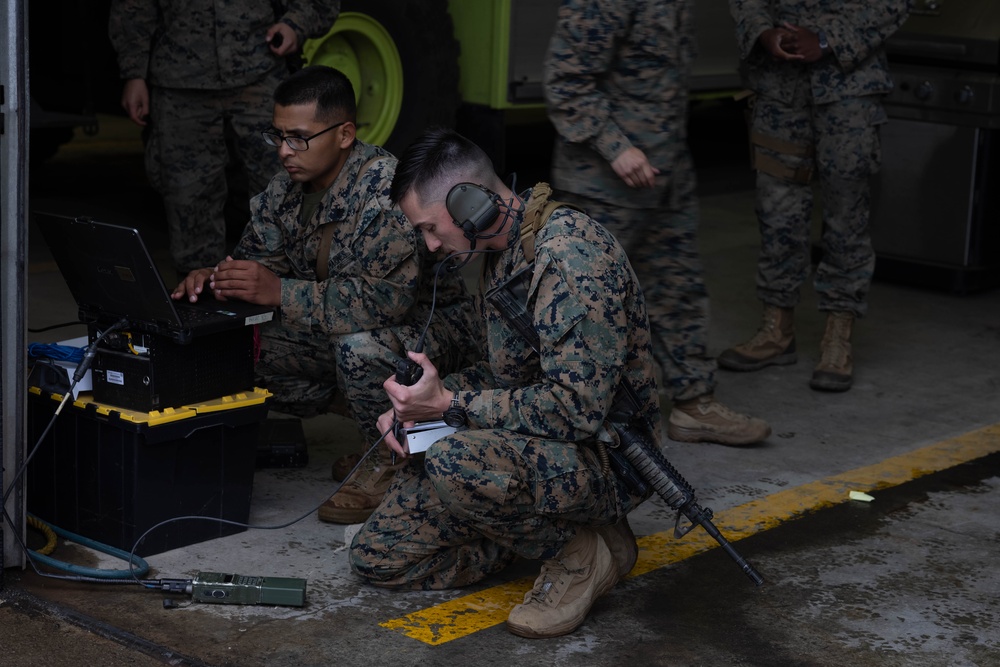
(416,63)
(413,63)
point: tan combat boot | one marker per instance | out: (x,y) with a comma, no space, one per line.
(835,370)
(362,492)
(772,345)
(343,465)
(704,419)
(567,588)
(622,545)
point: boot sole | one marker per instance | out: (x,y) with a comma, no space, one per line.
(756,365)
(828,383)
(684,434)
(343,516)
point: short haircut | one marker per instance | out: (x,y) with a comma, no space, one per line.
(438,160)
(329,88)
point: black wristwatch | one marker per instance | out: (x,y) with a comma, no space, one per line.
(824,45)
(455,415)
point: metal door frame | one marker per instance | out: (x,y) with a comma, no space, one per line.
(13,260)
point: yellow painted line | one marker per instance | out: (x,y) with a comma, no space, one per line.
(471,613)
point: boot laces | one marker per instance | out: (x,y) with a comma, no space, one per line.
(724,413)
(766,332)
(555,577)
(836,343)
(835,353)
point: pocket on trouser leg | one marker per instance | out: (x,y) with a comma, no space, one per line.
(570,484)
(848,139)
(780,158)
(781,143)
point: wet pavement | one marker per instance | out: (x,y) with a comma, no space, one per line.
(910,578)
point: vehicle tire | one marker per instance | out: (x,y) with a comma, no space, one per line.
(402,58)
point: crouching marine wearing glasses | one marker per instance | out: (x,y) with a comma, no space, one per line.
(527,474)
(353,281)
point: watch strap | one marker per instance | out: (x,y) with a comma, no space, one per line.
(824,45)
(455,416)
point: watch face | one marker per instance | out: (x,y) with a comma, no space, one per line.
(455,416)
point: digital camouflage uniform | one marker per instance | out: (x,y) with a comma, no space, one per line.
(211,78)
(525,474)
(345,334)
(817,120)
(616,77)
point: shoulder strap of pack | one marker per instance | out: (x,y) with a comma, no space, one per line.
(536,213)
(326,231)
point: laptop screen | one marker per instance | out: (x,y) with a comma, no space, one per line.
(108,270)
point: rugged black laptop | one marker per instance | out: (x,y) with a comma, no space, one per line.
(112,276)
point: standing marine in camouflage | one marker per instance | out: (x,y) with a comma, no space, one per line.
(616,86)
(523,477)
(351,277)
(199,75)
(818,70)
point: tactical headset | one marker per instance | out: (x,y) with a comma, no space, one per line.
(473,208)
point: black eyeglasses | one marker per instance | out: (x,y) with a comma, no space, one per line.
(272,138)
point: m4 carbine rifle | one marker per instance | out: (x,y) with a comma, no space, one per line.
(636,458)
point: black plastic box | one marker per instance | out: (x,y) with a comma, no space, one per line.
(139,371)
(110,475)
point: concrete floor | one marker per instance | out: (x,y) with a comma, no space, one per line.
(907,579)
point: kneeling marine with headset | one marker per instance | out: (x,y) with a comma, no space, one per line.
(636,458)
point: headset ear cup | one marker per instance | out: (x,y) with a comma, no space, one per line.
(473,208)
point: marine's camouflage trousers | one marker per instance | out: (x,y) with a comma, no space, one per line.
(475,501)
(837,146)
(662,247)
(193,136)
(315,377)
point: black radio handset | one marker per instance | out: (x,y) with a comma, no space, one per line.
(408,372)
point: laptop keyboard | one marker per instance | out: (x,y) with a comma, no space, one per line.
(191,315)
